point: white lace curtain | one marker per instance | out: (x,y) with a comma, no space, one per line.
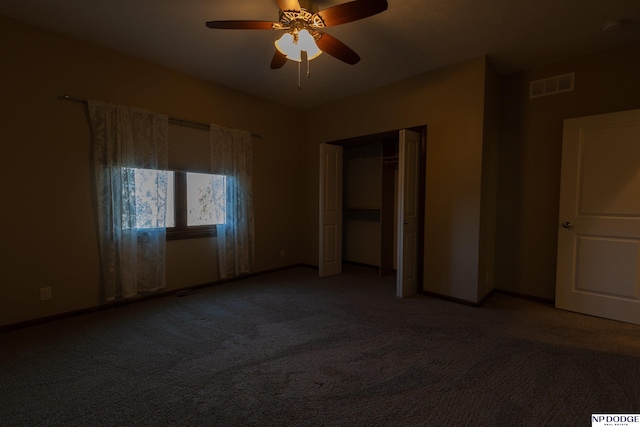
(231,155)
(129,154)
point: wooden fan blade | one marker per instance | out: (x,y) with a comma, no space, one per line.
(240,25)
(334,47)
(288,4)
(279,59)
(352,11)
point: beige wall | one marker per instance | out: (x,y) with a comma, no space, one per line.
(450,102)
(530,151)
(48,236)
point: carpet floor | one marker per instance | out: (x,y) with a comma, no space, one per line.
(291,349)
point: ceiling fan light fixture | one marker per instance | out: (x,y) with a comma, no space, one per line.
(291,45)
(303,24)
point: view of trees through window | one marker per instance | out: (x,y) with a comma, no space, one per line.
(205,199)
(151,196)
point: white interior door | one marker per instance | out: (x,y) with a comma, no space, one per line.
(599,222)
(408,212)
(330,250)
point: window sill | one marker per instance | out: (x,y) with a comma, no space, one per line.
(196,233)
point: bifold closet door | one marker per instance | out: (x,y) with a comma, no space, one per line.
(408,212)
(330,233)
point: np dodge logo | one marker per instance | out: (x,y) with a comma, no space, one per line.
(615,420)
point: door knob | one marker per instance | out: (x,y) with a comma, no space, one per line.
(567,225)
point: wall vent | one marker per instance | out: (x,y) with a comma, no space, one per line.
(552,85)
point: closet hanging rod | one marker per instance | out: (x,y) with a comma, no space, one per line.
(171,119)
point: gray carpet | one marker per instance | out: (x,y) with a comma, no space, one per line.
(291,349)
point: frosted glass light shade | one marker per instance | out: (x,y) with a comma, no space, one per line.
(308,44)
(291,49)
(287,47)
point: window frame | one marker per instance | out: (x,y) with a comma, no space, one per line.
(181,230)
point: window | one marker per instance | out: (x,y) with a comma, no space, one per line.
(200,202)
(205,199)
(200,194)
(145,188)
(195,202)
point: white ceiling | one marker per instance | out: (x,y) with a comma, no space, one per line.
(411,37)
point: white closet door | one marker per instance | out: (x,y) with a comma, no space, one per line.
(330,250)
(408,212)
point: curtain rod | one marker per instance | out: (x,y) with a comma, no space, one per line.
(172,119)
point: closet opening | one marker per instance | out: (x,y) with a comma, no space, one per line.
(376,182)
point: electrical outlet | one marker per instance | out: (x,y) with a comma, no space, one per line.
(282,253)
(45,294)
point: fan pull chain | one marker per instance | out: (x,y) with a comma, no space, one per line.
(306,59)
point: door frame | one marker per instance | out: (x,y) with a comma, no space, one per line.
(422,130)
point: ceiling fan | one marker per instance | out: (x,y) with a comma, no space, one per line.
(303,23)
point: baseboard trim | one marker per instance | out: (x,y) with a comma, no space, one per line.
(545,301)
(142,298)
(450,299)
(190,289)
(361,264)
(540,300)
